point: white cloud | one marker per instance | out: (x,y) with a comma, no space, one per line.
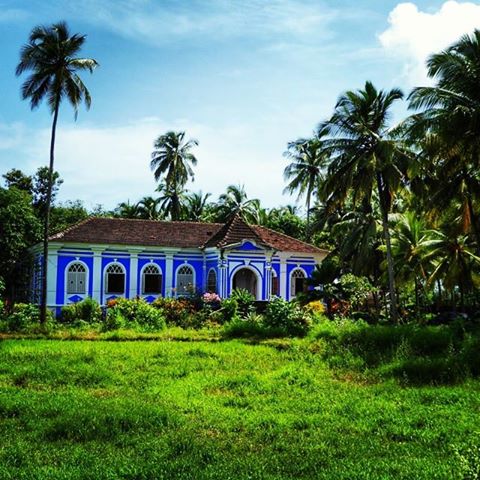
(413,35)
(157,23)
(110,165)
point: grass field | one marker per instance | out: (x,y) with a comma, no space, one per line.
(220,410)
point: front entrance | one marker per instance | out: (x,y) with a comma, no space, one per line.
(246,280)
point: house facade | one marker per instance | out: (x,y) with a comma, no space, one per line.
(107,258)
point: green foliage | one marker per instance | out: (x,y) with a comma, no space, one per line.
(287,318)
(355,290)
(244,300)
(177,311)
(24,318)
(250,326)
(87,310)
(135,313)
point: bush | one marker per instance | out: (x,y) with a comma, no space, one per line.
(228,310)
(134,313)
(87,310)
(25,318)
(315,307)
(287,318)
(250,326)
(177,312)
(244,300)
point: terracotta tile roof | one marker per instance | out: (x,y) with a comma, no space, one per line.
(234,231)
(126,231)
(122,231)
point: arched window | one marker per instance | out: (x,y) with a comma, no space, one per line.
(76,278)
(151,280)
(185,281)
(212,281)
(275,290)
(298,282)
(115,279)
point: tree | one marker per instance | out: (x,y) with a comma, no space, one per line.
(16,178)
(51,57)
(235,200)
(127,210)
(19,229)
(66,214)
(148,209)
(41,187)
(197,207)
(452,113)
(309,158)
(367,157)
(172,161)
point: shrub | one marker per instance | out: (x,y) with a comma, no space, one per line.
(315,307)
(228,309)
(87,310)
(134,313)
(25,317)
(250,326)
(244,300)
(211,301)
(176,311)
(287,318)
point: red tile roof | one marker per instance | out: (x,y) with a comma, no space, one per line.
(122,231)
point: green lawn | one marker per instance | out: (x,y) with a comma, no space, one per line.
(218,410)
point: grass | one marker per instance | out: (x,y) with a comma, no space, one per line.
(198,410)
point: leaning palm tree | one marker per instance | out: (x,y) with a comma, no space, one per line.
(172,161)
(309,159)
(367,157)
(51,57)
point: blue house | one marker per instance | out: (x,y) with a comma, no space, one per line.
(106,258)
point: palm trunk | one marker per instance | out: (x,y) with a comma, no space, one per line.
(46,223)
(473,220)
(307,229)
(386,235)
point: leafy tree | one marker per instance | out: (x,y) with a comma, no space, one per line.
(367,157)
(41,187)
(66,214)
(51,57)
(16,178)
(197,207)
(148,209)
(172,161)
(19,229)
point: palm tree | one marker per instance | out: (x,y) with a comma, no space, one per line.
(51,56)
(366,157)
(452,112)
(197,206)
(127,210)
(169,201)
(172,161)
(235,200)
(309,159)
(148,208)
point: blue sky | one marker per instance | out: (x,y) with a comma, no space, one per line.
(243,77)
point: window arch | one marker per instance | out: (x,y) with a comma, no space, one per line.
(77,278)
(212,281)
(298,282)
(151,280)
(275,286)
(115,279)
(184,284)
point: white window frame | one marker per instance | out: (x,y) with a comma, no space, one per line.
(105,277)
(177,273)
(67,278)
(142,276)
(293,276)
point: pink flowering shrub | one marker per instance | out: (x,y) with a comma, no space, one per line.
(211,298)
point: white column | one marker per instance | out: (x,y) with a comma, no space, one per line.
(132,293)
(283,276)
(97,275)
(168,274)
(51,272)
(268,281)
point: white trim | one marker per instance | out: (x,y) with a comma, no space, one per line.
(65,280)
(105,293)
(257,274)
(142,285)
(182,265)
(305,276)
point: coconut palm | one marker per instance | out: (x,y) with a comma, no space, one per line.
(309,158)
(127,210)
(148,208)
(235,200)
(172,162)
(51,57)
(451,111)
(366,158)
(196,206)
